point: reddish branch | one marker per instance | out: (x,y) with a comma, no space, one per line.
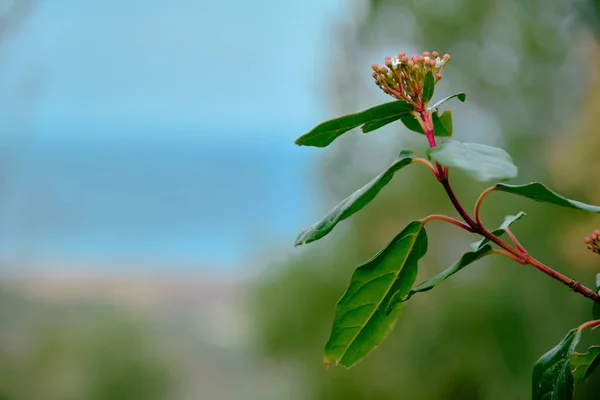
(519,253)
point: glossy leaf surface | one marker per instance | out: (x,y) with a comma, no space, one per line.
(460,96)
(465,260)
(362,316)
(584,365)
(355,201)
(483,163)
(552,377)
(539,192)
(325,133)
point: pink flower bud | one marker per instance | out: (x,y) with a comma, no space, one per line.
(401,54)
(438,76)
(435,54)
(375,66)
(587,239)
(425,54)
(446,57)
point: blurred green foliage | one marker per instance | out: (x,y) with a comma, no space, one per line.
(525,67)
(79,352)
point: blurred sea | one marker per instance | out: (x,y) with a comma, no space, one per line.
(138,198)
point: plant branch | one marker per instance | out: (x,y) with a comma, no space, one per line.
(573,284)
(456,203)
(515,240)
(506,254)
(478,204)
(428,164)
(447,219)
(589,324)
(518,254)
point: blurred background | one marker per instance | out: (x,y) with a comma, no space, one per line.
(151,194)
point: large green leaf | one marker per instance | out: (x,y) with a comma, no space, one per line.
(362,318)
(508,221)
(461,96)
(481,162)
(584,365)
(539,192)
(552,377)
(325,133)
(428,87)
(442,124)
(465,260)
(355,201)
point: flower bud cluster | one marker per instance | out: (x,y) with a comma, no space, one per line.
(593,241)
(403,77)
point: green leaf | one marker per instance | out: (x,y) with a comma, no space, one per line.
(355,201)
(465,260)
(428,87)
(552,377)
(461,96)
(596,306)
(508,221)
(373,126)
(538,192)
(585,364)
(362,318)
(442,125)
(482,162)
(325,133)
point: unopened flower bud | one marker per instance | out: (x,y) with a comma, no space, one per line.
(435,54)
(593,241)
(375,66)
(401,54)
(438,76)
(446,57)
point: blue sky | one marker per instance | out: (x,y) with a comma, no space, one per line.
(179,62)
(134,111)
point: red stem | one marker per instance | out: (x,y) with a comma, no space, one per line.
(518,254)
(456,203)
(447,219)
(589,324)
(515,240)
